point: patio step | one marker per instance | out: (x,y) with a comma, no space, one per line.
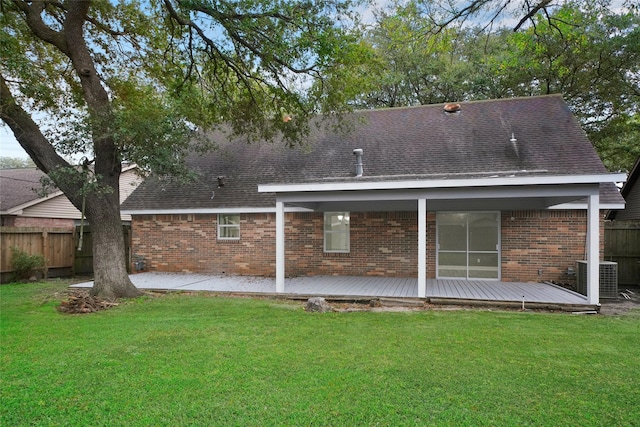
(401,302)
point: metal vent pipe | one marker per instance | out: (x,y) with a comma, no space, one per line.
(358,153)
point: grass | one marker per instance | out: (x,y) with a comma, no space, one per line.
(202,360)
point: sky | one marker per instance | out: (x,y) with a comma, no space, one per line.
(9,147)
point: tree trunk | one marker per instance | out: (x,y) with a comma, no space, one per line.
(103,202)
(111,279)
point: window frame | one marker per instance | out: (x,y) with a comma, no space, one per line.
(467,251)
(223,226)
(347,232)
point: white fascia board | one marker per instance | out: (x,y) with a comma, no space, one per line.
(583,206)
(443,183)
(12,212)
(209,211)
(568,190)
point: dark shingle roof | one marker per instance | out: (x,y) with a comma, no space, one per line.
(401,143)
(18,186)
(631,194)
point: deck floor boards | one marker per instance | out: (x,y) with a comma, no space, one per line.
(436,288)
(362,287)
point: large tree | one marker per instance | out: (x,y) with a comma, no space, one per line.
(132,81)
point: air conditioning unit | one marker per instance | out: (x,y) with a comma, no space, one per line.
(608,278)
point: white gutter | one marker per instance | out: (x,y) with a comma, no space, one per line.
(443,183)
(583,206)
(188,211)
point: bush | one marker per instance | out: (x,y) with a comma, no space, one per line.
(25,265)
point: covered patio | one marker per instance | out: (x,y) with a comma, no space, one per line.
(437,194)
(357,287)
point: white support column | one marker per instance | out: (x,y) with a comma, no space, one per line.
(593,249)
(279,247)
(422,248)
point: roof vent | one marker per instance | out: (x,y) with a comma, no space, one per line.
(452,108)
(514,144)
(358,153)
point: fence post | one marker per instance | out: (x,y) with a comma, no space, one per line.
(45,252)
(73,251)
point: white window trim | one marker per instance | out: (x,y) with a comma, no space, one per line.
(325,232)
(225,226)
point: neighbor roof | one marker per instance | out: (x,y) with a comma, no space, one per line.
(19,186)
(631,193)
(533,136)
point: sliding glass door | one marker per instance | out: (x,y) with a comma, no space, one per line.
(468,245)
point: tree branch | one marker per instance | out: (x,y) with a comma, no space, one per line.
(33,17)
(27,132)
(542,5)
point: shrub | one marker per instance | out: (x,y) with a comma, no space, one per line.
(25,265)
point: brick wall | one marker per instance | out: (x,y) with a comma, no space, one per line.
(542,245)
(382,244)
(20,221)
(189,244)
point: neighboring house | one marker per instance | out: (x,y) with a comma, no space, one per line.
(22,203)
(508,190)
(631,194)
(622,234)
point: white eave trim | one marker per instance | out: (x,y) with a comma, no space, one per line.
(583,206)
(188,211)
(443,183)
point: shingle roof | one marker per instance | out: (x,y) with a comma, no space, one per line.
(631,193)
(19,186)
(400,143)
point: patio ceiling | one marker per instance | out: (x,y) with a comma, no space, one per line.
(440,199)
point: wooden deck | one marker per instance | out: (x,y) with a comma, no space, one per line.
(357,286)
(436,288)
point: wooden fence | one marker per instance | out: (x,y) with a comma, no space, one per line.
(83,263)
(622,245)
(55,244)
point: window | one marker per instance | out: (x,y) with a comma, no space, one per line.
(336,232)
(229,227)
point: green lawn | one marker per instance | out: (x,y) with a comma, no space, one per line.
(203,360)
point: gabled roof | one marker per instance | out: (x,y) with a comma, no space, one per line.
(19,187)
(632,180)
(22,190)
(534,136)
(631,193)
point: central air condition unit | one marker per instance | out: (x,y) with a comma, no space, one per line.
(608,278)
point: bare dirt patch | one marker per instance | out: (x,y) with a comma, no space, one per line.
(628,300)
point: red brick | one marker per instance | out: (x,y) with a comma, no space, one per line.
(382,244)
